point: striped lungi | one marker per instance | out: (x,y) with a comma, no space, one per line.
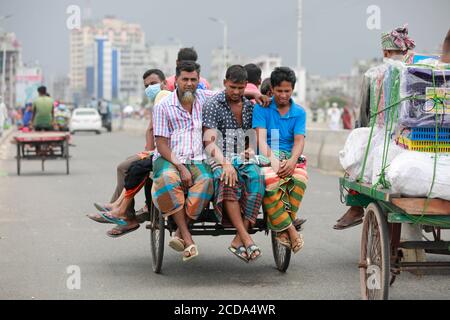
(248,192)
(170,196)
(283,197)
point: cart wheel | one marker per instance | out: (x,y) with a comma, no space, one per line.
(156,238)
(281,254)
(18,159)
(375,256)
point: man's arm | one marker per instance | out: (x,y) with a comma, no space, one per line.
(229,174)
(162,144)
(288,167)
(149,138)
(265,150)
(33,115)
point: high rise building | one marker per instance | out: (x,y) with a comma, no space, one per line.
(163,57)
(217,72)
(10,59)
(121,49)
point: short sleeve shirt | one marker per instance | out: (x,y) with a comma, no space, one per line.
(183,129)
(217,114)
(281,130)
(43,106)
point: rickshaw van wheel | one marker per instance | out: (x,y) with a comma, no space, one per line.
(374,266)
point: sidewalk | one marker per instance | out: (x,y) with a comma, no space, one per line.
(6,135)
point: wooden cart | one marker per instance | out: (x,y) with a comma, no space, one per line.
(381,257)
(42,146)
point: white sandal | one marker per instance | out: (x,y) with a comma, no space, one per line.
(191,255)
(177,244)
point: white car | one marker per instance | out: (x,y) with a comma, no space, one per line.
(85,119)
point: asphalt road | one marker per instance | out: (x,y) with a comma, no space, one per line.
(44,233)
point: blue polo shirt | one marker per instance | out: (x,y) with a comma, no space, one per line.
(280,129)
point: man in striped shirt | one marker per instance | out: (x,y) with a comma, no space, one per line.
(182,181)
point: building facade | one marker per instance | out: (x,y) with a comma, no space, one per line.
(10,60)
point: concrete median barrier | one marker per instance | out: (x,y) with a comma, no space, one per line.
(322,145)
(322,148)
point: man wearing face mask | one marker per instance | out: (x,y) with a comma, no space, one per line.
(130,172)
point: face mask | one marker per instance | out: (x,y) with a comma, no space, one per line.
(152,91)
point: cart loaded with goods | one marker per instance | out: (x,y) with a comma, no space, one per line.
(398,168)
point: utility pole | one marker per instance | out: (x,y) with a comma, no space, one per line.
(299,33)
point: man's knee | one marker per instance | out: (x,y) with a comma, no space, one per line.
(207,180)
(123,167)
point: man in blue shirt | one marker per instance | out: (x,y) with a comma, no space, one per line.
(281,131)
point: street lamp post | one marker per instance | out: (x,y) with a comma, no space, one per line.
(225,41)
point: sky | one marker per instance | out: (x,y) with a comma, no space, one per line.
(335,32)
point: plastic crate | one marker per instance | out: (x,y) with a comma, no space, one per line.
(429,134)
(424,146)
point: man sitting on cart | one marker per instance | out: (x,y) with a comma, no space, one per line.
(239,185)
(182,181)
(396,45)
(281,130)
(43,112)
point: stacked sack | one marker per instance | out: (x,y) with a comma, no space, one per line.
(405,153)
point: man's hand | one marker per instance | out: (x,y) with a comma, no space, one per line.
(249,154)
(229,175)
(186,177)
(276,165)
(287,168)
(263,100)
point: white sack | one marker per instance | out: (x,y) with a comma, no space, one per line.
(411,174)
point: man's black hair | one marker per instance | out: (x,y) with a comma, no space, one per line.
(281,74)
(187,54)
(253,73)
(188,66)
(42,90)
(158,72)
(236,73)
(265,87)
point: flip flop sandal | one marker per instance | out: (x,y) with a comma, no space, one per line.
(114,220)
(177,244)
(191,255)
(298,244)
(251,250)
(284,242)
(122,231)
(238,252)
(97,218)
(339,226)
(101,207)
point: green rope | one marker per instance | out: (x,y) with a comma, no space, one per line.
(394,114)
(372,126)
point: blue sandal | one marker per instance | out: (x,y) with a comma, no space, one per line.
(112,219)
(251,250)
(239,252)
